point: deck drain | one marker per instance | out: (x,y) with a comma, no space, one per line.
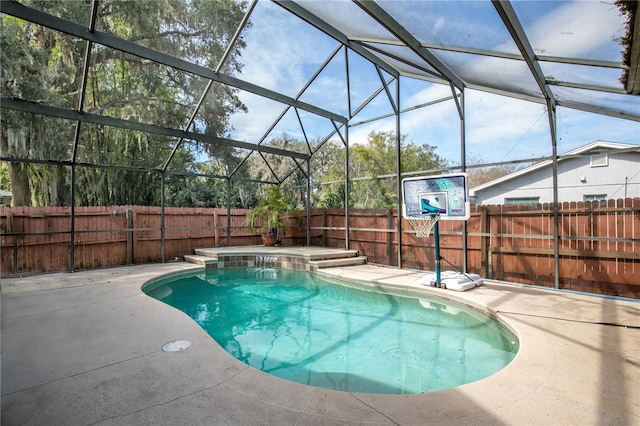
(176,346)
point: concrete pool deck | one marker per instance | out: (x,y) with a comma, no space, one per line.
(86,349)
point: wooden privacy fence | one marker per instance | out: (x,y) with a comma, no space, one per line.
(38,239)
(599,245)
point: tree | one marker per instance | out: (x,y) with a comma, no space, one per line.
(201,191)
(373,170)
(333,197)
(276,168)
(629,8)
(281,169)
(479,175)
(41,65)
(5,183)
(375,163)
(328,174)
(24,57)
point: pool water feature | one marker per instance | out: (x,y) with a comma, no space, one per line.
(302,327)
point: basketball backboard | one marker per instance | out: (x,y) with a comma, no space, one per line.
(443,195)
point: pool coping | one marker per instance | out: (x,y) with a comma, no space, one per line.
(572,367)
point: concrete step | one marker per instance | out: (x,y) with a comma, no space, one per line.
(199,259)
(321,259)
(204,252)
(332,254)
(336,263)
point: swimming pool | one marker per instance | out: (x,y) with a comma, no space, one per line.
(305,328)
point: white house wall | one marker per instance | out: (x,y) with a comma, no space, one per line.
(576,178)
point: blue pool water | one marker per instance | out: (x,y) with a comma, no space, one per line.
(304,328)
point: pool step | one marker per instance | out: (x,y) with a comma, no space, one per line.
(200,259)
(333,254)
(341,262)
(316,259)
(211,253)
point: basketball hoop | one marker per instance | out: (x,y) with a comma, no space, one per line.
(427,199)
(423,224)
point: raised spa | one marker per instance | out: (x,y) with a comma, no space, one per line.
(305,328)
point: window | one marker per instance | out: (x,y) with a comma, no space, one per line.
(522,200)
(595,197)
(599,160)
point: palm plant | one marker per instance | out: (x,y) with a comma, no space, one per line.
(269,216)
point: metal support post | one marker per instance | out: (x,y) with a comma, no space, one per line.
(436,240)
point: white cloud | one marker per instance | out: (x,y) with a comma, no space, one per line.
(434,117)
(518,129)
(251,126)
(328,92)
(281,54)
(282,51)
(430,93)
(359,135)
(577,29)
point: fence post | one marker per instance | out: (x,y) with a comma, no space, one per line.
(15,255)
(484,243)
(128,214)
(324,227)
(215,228)
(389,238)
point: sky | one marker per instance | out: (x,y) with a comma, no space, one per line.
(283,52)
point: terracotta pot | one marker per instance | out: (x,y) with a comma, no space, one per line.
(269,240)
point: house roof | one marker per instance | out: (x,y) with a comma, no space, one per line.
(595,147)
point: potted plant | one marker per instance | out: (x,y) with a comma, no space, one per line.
(269,215)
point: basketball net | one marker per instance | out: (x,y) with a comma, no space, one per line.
(423,225)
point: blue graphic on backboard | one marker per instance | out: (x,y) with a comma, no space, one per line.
(433,203)
(443,195)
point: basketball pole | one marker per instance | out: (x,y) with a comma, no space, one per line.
(436,242)
(427,199)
